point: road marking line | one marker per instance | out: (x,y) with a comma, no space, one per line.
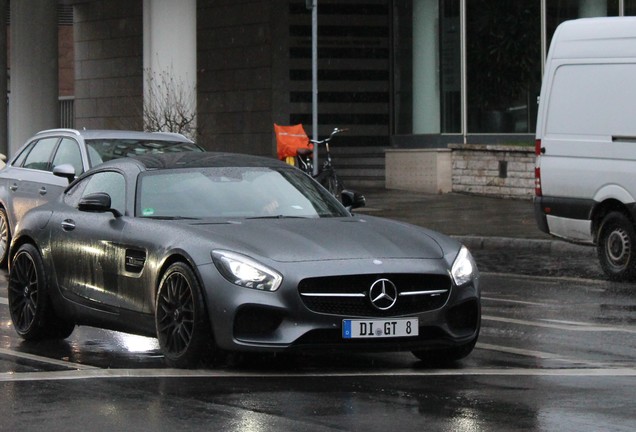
(177,373)
(516,301)
(47,360)
(542,355)
(571,327)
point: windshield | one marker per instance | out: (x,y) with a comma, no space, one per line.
(102,150)
(236,192)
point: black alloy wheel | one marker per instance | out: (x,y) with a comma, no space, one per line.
(616,247)
(182,324)
(5,238)
(32,315)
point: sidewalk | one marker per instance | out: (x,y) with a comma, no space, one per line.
(479,222)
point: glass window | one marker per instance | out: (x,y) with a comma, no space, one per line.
(427,67)
(40,155)
(564,10)
(630,7)
(69,153)
(113,184)
(503,65)
(233,192)
(19,159)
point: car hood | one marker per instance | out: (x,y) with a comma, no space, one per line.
(296,240)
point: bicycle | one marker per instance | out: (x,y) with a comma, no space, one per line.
(326,176)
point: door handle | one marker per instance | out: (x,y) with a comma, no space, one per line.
(42,190)
(13,187)
(68,224)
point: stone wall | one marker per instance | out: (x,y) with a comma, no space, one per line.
(496,170)
(108,64)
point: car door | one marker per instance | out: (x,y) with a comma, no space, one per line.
(86,246)
(32,182)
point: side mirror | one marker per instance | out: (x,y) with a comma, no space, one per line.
(65,170)
(98,202)
(352,200)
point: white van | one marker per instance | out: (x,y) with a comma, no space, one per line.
(586,140)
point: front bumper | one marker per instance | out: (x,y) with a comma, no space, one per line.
(245,319)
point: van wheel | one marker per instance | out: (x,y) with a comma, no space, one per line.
(617,247)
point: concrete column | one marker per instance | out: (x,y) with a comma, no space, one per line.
(4,133)
(592,8)
(426,84)
(33,101)
(170,52)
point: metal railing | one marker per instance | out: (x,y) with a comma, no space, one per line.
(67,112)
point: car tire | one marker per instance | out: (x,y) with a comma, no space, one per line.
(616,247)
(182,323)
(29,303)
(445,356)
(5,238)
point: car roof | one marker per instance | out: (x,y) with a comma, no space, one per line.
(188,160)
(117,134)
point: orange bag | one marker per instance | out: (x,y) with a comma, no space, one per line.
(289,139)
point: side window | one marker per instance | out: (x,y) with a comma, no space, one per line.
(19,160)
(111,183)
(73,195)
(40,155)
(69,153)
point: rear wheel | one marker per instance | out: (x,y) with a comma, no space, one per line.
(29,303)
(183,327)
(5,238)
(616,247)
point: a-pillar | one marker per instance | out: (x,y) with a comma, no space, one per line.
(170,53)
(33,97)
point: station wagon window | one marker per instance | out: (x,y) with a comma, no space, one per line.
(40,155)
(69,153)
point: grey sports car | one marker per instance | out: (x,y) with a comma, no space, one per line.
(214,252)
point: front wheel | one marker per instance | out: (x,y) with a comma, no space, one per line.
(182,323)
(616,247)
(29,303)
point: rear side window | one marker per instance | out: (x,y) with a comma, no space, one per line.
(40,155)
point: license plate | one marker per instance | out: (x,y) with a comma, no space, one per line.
(379,328)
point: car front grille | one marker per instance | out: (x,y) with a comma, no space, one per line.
(349,295)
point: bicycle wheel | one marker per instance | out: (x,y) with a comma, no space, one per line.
(330,181)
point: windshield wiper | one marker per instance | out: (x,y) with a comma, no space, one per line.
(278,217)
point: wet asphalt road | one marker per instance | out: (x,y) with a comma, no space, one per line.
(555,353)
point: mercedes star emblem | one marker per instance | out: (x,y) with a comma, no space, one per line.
(383,294)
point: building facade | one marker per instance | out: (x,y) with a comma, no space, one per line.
(395,73)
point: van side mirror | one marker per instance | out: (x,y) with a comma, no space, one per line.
(352,200)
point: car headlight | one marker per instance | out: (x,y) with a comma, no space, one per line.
(246,272)
(464,268)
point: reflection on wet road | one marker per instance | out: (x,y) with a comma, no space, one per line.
(553,354)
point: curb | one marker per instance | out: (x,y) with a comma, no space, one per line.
(528,245)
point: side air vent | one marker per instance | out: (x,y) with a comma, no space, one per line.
(135,260)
